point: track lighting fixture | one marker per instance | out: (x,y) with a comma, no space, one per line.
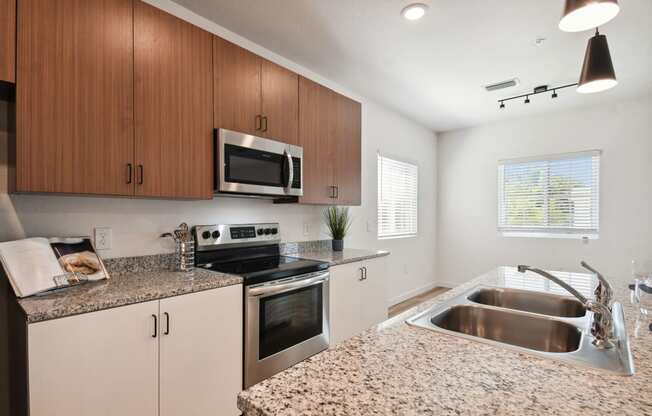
(538,90)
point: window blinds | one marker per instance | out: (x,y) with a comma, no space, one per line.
(397,198)
(551,194)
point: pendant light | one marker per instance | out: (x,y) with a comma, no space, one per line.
(581,15)
(597,71)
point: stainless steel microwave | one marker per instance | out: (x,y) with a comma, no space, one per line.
(250,165)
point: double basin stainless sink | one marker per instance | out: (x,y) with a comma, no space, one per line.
(543,324)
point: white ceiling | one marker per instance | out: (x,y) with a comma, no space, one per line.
(432,71)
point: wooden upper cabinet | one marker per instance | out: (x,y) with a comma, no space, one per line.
(253,95)
(8,40)
(280,103)
(330,134)
(237,88)
(74,102)
(316,130)
(173,106)
(348,155)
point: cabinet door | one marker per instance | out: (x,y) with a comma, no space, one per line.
(201,353)
(348,144)
(280,103)
(345,308)
(237,84)
(8,40)
(374,293)
(173,106)
(74,103)
(316,136)
(103,364)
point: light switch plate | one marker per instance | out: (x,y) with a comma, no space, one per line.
(103,238)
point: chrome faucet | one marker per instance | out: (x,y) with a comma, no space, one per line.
(603,293)
(602,325)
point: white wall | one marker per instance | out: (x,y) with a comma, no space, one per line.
(468,243)
(136,223)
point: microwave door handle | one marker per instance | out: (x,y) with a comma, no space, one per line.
(290,171)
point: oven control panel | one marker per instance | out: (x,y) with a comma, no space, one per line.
(210,237)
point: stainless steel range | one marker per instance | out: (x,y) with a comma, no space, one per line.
(286,313)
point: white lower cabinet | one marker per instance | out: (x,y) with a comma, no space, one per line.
(102,363)
(201,353)
(358,298)
(107,363)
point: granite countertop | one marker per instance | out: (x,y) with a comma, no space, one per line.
(142,279)
(396,369)
(349,255)
(122,289)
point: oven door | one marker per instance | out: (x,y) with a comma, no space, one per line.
(253,165)
(286,321)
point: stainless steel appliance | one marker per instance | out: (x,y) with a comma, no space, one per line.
(250,165)
(286,316)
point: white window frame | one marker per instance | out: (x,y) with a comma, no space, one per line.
(551,232)
(380,197)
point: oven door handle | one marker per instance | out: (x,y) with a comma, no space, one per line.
(285,287)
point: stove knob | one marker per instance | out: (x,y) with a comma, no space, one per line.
(216,234)
(206,235)
(260,231)
(268,231)
(274,231)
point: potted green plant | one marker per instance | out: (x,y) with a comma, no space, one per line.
(338,222)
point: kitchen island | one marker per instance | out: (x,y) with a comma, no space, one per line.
(396,369)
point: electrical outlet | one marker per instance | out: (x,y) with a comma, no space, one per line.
(306,229)
(103,238)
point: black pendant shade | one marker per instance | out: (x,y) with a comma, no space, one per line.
(597,71)
(580,15)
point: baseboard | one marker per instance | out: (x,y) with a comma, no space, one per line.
(414,292)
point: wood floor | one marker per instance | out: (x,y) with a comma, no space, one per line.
(414,301)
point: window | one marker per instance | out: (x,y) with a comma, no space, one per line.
(397,198)
(550,196)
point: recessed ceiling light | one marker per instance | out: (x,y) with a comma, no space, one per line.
(414,11)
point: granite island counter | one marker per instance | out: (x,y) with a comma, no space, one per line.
(396,369)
